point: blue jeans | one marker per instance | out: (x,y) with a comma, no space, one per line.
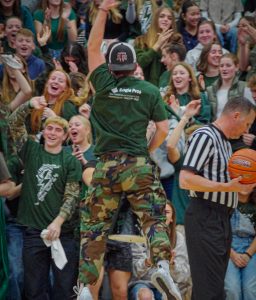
(37,263)
(14,234)
(240,283)
(133,292)
(228,40)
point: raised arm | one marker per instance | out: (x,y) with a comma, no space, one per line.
(70,24)
(191,110)
(17,120)
(95,56)
(25,90)
(243,49)
(130,14)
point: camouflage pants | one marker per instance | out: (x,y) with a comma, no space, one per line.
(114,175)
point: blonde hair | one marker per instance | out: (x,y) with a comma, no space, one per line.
(114,14)
(231,56)
(79,81)
(87,124)
(67,94)
(193,90)
(25,32)
(57,120)
(150,37)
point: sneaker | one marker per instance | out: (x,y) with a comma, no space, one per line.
(163,281)
(10,61)
(82,292)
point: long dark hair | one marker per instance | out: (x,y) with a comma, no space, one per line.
(184,8)
(172,226)
(202,64)
(78,52)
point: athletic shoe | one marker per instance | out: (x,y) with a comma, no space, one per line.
(11,61)
(82,292)
(163,281)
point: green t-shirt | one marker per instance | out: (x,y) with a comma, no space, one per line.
(204,115)
(69,110)
(54,43)
(164,81)
(209,80)
(121,110)
(44,181)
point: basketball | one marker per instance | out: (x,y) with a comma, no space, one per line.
(243,163)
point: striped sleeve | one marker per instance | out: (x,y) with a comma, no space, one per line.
(198,154)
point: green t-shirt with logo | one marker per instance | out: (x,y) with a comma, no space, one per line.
(121,110)
(44,181)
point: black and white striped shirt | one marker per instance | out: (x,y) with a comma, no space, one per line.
(207,155)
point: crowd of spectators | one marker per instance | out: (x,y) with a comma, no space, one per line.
(197,53)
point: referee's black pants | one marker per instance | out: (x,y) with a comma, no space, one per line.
(208,236)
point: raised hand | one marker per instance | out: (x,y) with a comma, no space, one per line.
(38,102)
(85,110)
(174,103)
(201,82)
(72,66)
(192,108)
(79,155)
(163,39)
(44,36)
(48,15)
(248,138)
(47,113)
(66,11)
(108,4)
(57,64)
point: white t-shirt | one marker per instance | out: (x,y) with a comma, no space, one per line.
(222,99)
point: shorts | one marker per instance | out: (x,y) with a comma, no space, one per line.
(118,256)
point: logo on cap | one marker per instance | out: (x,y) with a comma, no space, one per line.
(121,56)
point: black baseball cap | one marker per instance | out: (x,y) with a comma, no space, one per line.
(122,57)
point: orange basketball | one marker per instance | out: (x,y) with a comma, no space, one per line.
(243,163)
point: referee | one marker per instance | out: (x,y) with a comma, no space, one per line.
(213,197)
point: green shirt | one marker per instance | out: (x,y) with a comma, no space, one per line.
(150,62)
(180,198)
(208,80)
(69,110)
(164,82)
(121,110)
(54,43)
(44,182)
(204,115)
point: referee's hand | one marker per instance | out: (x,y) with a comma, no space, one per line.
(236,186)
